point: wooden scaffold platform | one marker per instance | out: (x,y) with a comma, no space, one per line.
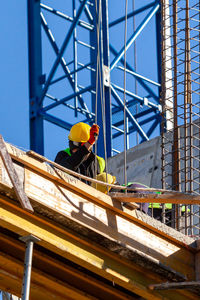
(89,246)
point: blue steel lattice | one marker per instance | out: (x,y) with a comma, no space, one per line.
(76,74)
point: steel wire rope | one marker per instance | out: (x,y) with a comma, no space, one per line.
(135,67)
(97,72)
(125,131)
(102,97)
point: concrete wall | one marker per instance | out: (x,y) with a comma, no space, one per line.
(143,164)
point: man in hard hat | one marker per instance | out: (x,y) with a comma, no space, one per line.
(79,156)
(104,177)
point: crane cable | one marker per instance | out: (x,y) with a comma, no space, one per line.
(99,81)
(125,37)
(97,71)
(135,67)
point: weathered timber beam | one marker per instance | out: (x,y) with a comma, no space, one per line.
(57,270)
(156,198)
(78,209)
(60,177)
(79,188)
(61,243)
(197,261)
(43,286)
(176,285)
(118,187)
(72,209)
(96,259)
(13,176)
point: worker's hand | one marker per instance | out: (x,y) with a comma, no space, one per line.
(94,132)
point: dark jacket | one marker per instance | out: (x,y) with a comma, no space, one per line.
(79,161)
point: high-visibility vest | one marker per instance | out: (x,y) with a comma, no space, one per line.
(153,205)
(167,205)
(100,160)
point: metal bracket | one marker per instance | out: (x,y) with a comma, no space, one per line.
(146,101)
(33,107)
(106,76)
(23,199)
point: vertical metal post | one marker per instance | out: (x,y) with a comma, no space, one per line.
(127,134)
(187,111)
(176,146)
(35,76)
(101,52)
(29,240)
(163,96)
(75,60)
(106,81)
(159,47)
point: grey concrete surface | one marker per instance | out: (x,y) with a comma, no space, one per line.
(143,164)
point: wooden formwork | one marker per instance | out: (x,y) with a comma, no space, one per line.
(91,247)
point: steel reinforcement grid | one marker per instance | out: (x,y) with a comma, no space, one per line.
(181,109)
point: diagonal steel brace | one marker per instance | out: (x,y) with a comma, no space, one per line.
(23,199)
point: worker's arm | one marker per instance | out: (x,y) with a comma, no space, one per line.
(72,162)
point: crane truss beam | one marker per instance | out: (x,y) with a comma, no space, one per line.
(79,80)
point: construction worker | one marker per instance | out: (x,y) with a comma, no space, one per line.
(112,180)
(152,209)
(79,156)
(155,210)
(104,178)
(133,185)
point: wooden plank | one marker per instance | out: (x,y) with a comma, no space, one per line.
(176,285)
(78,208)
(105,222)
(156,198)
(60,270)
(119,187)
(197,261)
(78,187)
(43,286)
(86,253)
(25,203)
(100,199)
(61,177)
(60,243)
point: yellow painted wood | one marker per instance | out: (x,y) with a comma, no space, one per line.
(156,198)
(79,188)
(63,245)
(79,209)
(59,270)
(69,197)
(105,222)
(197,261)
(43,286)
(105,265)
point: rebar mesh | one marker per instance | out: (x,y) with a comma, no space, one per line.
(181,109)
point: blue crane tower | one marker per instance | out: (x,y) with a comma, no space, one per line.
(95,61)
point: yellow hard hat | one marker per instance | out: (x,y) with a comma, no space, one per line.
(102,177)
(79,133)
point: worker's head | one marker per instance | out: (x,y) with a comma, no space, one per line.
(105,178)
(79,134)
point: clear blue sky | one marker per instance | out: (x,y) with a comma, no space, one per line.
(14,124)
(14,109)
